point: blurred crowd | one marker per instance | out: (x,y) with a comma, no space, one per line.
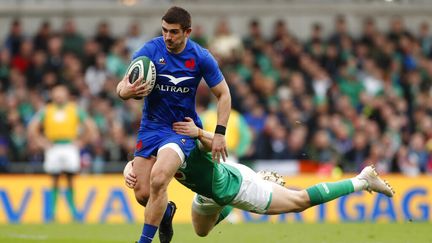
(342,100)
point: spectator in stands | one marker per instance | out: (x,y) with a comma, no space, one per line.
(377,157)
(15,37)
(262,147)
(95,76)
(118,59)
(4,160)
(254,40)
(280,31)
(417,152)
(397,29)
(37,68)
(40,40)
(134,38)
(73,41)
(5,60)
(341,31)
(225,44)
(103,36)
(353,159)
(321,150)
(199,36)
(5,151)
(21,60)
(296,143)
(369,30)
(91,50)
(425,39)
(316,46)
(55,55)
(255,114)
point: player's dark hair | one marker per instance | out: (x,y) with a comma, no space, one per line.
(177,15)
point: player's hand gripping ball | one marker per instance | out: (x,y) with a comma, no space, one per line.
(142,67)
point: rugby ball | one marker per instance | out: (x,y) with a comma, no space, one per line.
(142,67)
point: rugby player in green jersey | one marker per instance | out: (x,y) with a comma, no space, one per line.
(222,186)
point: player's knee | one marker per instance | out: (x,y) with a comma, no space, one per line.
(142,197)
(159,181)
(142,201)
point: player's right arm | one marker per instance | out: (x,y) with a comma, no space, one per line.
(34,131)
(126,90)
(91,130)
(189,128)
(136,90)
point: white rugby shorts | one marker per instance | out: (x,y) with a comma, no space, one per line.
(255,195)
(62,158)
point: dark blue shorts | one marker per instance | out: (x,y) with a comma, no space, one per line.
(151,137)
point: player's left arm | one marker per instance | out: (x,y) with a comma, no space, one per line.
(92,129)
(34,131)
(221,91)
(214,78)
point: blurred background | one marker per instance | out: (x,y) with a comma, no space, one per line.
(318,87)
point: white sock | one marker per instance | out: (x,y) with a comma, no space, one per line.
(359,185)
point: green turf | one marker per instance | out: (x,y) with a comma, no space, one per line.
(226,233)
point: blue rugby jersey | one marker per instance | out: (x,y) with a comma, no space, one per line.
(178,76)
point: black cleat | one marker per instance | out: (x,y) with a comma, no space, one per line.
(166,231)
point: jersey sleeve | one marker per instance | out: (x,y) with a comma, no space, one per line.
(210,70)
(40,115)
(82,114)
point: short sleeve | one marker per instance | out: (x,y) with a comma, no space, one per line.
(82,115)
(40,115)
(210,70)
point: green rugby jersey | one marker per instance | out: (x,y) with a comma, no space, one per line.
(218,181)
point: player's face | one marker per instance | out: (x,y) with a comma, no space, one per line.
(174,36)
(60,95)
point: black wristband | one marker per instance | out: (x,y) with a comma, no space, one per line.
(220,129)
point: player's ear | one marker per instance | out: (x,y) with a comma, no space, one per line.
(188,31)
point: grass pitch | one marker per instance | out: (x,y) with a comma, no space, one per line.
(226,233)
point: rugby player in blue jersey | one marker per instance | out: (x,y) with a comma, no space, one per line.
(180,66)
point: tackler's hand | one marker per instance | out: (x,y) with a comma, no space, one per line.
(130,177)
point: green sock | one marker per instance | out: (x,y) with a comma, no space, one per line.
(224,213)
(325,192)
(70,200)
(54,195)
